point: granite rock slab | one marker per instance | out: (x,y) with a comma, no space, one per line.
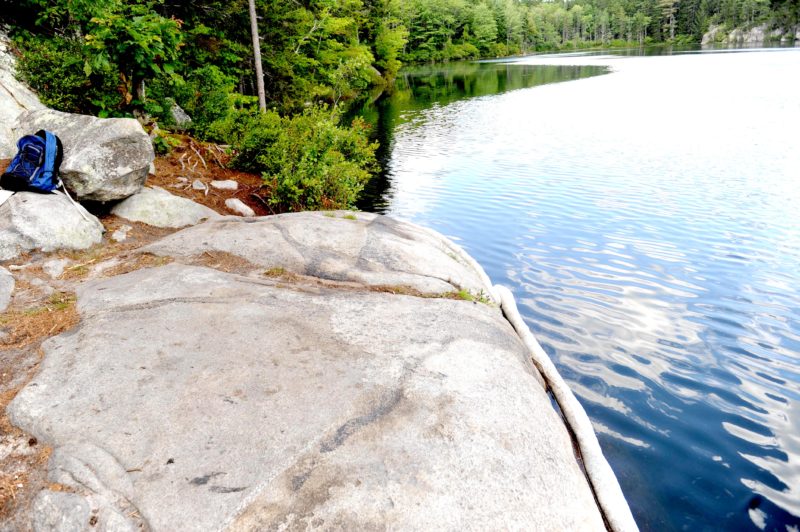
(343,246)
(194,399)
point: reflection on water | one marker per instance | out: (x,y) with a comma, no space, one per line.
(648,222)
(423,87)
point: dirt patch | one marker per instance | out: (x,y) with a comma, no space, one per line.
(196,161)
(192,161)
(225,262)
(22,327)
(138,262)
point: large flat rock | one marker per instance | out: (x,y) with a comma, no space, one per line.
(338,246)
(193,399)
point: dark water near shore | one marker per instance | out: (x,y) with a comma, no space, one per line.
(648,222)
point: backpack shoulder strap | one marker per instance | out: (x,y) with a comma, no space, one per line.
(50,154)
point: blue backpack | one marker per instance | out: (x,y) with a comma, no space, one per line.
(35,167)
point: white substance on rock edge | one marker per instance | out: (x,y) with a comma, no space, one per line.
(604,482)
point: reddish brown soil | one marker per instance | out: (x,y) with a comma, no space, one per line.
(208,162)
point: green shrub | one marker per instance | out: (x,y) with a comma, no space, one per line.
(54,68)
(457,52)
(163,142)
(207,96)
(498,49)
(308,160)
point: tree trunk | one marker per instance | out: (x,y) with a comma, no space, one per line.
(672,26)
(141,91)
(262,98)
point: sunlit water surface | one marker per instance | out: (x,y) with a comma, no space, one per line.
(648,222)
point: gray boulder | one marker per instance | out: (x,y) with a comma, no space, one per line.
(338,246)
(741,36)
(157,207)
(179,116)
(715,33)
(47,222)
(203,400)
(14,99)
(105,159)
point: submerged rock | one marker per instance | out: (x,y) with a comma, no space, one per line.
(105,159)
(157,207)
(46,222)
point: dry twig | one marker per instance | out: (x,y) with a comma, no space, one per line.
(201,157)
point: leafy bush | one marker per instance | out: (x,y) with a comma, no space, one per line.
(207,96)
(389,41)
(54,69)
(498,49)
(457,52)
(308,160)
(163,142)
(138,42)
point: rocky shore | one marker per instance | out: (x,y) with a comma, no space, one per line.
(167,366)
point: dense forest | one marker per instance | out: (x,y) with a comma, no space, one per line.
(457,29)
(143,58)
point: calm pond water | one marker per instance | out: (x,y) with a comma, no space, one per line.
(645,211)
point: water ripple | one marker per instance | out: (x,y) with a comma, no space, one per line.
(651,235)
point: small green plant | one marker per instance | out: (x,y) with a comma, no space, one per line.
(163,142)
(350,217)
(275,272)
(56,302)
(466,295)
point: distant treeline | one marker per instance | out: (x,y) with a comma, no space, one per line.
(455,29)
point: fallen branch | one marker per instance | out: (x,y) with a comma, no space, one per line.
(201,157)
(216,159)
(265,203)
